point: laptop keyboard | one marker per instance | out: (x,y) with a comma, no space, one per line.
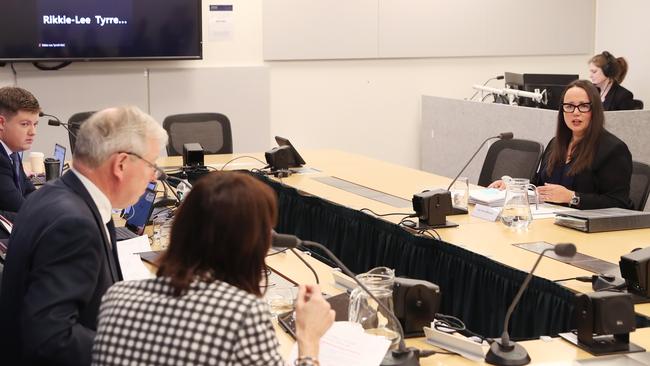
(38,180)
(123,233)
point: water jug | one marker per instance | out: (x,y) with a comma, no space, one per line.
(365,310)
(516,207)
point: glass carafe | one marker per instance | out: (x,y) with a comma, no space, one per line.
(364,310)
(516,207)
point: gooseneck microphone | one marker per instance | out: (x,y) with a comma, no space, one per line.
(501,136)
(505,352)
(55,121)
(498,77)
(403,356)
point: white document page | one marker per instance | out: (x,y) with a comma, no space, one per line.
(346,343)
(132,266)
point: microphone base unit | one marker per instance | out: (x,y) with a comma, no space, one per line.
(407,357)
(511,355)
(458,211)
(422,225)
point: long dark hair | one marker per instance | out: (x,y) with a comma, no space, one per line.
(584,151)
(222,231)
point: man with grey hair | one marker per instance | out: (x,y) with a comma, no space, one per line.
(62,255)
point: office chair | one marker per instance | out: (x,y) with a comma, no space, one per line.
(211,130)
(639,185)
(637,103)
(516,158)
(74,122)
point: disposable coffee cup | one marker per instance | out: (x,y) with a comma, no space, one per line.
(52,168)
(36,161)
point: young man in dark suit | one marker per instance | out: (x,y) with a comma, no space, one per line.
(62,253)
(19,111)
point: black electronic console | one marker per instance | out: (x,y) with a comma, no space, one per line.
(283,157)
(636,271)
(604,322)
(416,302)
(432,208)
(193,154)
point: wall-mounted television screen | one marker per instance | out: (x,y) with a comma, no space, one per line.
(70,30)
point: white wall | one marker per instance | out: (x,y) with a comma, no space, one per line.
(366,106)
(622,28)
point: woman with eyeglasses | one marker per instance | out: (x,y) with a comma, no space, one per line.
(205,306)
(607,73)
(584,165)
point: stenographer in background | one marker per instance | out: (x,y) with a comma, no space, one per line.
(607,73)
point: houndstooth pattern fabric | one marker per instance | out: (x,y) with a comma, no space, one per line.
(142,323)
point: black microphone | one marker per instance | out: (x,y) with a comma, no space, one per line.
(404,356)
(55,121)
(504,352)
(291,242)
(501,136)
(500,77)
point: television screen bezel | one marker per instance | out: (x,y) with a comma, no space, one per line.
(199,17)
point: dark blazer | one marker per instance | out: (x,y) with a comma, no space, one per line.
(59,264)
(11,198)
(618,98)
(607,182)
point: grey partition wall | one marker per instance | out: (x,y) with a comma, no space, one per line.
(453,129)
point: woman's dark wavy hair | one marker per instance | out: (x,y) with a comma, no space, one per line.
(222,231)
(584,151)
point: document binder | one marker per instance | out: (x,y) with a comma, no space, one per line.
(604,219)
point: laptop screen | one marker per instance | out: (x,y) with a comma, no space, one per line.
(138,215)
(59,154)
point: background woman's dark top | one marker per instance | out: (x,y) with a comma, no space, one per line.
(618,98)
(605,184)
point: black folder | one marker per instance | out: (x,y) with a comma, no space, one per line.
(603,219)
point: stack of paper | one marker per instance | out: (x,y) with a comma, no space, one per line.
(346,343)
(487,197)
(492,197)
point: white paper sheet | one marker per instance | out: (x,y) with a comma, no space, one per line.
(346,343)
(132,266)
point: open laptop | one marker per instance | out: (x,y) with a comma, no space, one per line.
(138,215)
(59,154)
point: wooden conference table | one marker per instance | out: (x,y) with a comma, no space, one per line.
(479,238)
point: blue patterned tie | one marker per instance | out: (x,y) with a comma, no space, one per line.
(16,161)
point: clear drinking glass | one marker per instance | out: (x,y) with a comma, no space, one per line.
(516,208)
(460,192)
(365,310)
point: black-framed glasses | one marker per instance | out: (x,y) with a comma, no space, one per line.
(582,107)
(157,170)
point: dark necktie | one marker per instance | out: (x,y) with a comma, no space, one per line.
(111,233)
(15,159)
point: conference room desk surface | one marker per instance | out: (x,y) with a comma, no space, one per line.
(554,351)
(490,239)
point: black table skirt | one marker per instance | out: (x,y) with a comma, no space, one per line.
(474,288)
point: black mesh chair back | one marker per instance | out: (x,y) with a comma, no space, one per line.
(639,185)
(211,130)
(514,157)
(637,104)
(74,122)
